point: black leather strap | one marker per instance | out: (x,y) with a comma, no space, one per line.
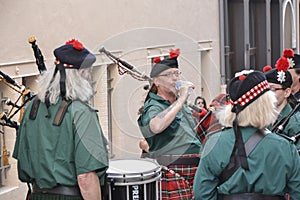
(177,160)
(34,108)
(60,190)
(249,196)
(60,114)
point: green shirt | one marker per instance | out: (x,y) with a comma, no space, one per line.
(293,126)
(274,167)
(51,155)
(179,138)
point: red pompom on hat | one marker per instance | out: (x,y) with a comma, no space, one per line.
(282,64)
(267,68)
(242,77)
(156,59)
(76,44)
(293,58)
(288,53)
(174,53)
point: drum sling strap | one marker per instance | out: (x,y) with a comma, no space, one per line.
(63,108)
(233,164)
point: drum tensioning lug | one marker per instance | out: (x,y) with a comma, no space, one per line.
(142,177)
(112,183)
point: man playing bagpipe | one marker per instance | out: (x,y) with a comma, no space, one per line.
(167,125)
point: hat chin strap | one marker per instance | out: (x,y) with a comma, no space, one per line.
(62,85)
(62,81)
(239,146)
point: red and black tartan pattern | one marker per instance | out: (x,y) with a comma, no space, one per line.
(177,182)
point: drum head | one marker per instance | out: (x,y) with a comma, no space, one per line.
(132,166)
(132,170)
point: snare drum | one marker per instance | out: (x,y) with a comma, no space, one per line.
(133,179)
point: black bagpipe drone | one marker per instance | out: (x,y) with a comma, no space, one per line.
(25,95)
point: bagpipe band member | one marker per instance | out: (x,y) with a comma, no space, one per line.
(294,69)
(245,161)
(206,121)
(60,148)
(167,125)
(280,81)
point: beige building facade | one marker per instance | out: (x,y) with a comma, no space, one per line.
(136,32)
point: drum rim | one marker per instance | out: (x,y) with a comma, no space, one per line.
(126,182)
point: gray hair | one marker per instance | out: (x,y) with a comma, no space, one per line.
(259,114)
(78,86)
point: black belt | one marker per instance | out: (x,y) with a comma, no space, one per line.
(177,160)
(60,189)
(250,196)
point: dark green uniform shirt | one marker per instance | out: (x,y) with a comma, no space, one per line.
(179,138)
(293,126)
(51,155)
(274,167)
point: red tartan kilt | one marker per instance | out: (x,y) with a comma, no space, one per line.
(178,185)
